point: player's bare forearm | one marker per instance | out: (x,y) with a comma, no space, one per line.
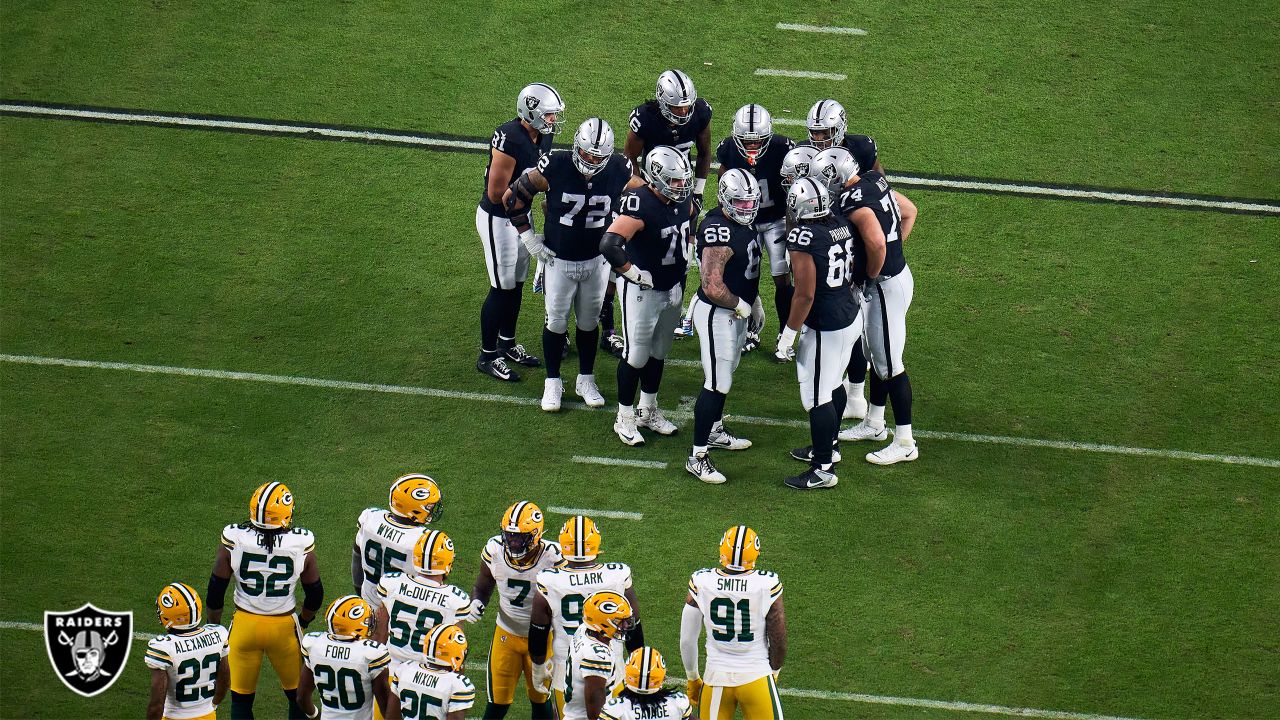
(382,691)
(704,153)
(222,683)
(393,708)
(159,687)
(456,715)
(501,167)
(630,595)
(909,212)
(872,237)
(380,622)
(714,260)
(306,684)
(483,588)
(593,692)
(775,627)
(804,275)
(635,182)
(633,148)
(357,568)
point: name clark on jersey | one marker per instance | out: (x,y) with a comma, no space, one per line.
(591,578)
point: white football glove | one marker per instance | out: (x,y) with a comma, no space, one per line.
(743,310)
(643,278)
(756,323)
(534,244)
(477,611)
(542,677)
(786,342)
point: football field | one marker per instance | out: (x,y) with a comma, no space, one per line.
(238,245)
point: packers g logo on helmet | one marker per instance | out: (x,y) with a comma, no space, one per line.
(580,539)
(521,527)
(739,549)
(271,507)
(646,671)
(433,554)
(350,618)
(446,646)
(417,497)
(607,613)
(179,607)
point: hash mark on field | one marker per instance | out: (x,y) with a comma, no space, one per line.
(806,74)
(591,460)
(613,514)
(404,138)
(821,29)
(789,692)
(788,121)
(530,401)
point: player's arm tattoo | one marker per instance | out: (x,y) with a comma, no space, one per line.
(483,588)
(713,261)
(775,627)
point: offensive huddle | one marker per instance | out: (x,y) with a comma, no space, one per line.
(824,213)
(569,624)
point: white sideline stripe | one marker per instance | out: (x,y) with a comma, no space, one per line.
(807,74)
(614,514)
(531,401)
(245,125)
(905,180)
(791,692)
(821,29)
(592,460)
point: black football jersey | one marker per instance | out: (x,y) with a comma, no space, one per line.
(512,138)
(580,210)
(653,129)
(662,246)
(742,272)
(830,242)
(863,149)
(872,191)
(767,172)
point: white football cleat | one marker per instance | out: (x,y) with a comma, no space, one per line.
(894,452)
(725,440)
(652,418)
(585,387)
(700,466)
(552,391)
(625,426)
(855,409)
(864,431)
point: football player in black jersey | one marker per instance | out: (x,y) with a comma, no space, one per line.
(582,187)
(828,127)
(826,315)
(516,146)
(882,219)
(753,148)
(726,307)
(648,245)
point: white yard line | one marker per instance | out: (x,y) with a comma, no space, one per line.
(788,121)
(821,29)
(533,401)
(623,462)
(589,512)
(805,74)
(166,120)
(789,692)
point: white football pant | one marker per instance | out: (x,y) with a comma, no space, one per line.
(886,323)
(720,335)
(821,360)
(649,321)
(578,285)
(505,258)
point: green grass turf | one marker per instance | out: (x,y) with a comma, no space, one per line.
(987,574)
(1150,95)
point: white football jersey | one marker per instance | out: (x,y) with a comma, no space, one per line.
(386,546)
(344,671)
(191,660)
(428,692)
(265,581)
(674,705)
(566,589)
(414,606)
(589,657)
(734,606)
(515,586)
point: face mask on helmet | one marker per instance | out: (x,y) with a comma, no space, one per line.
(517,544)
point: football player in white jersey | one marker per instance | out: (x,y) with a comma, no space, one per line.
(189,674)
(642,696)
(562,592)
(432,686)
(349,669)
(268,559)
(594,665)
(385,538)
(741,609)
(511,562)
(410,604)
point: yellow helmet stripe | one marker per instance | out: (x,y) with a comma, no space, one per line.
(514,525)
(191,600)
(644,668)
(261,516)
(427,549)
(739,542)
